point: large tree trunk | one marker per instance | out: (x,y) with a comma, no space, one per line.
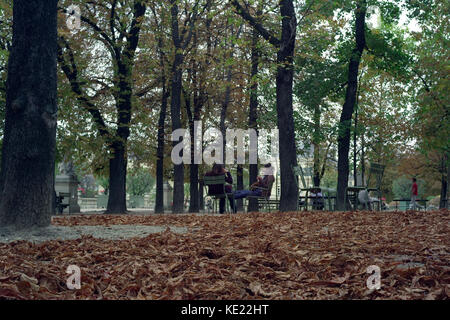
(175,110)
(117,199)
(253,112)
(350,98)
(117,202)
(117,179)
(28,154)
(285,73)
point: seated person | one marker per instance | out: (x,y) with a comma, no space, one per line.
(215,189)
(318,201)
(255,189)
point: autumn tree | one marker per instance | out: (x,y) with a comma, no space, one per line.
(285,45)
(350,99)
(431,71)
(120,37)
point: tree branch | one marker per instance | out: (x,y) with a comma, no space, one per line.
(266,34)
(70,70)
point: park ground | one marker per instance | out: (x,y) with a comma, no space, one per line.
(307,255)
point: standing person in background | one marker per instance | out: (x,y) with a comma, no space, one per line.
(219,170)
(414,192)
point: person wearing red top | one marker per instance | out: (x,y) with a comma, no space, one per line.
(414,193)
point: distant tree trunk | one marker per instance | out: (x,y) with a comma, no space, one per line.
(223,110)
(253,111)
(202,96)
(201,194)
(316,144)
(159,201)
(355,152)
(363,159)
(448,180)
(199,98)
(444,182)
(240,186)
(175,109)
(193,176)
(28,152)
(227,98)
(196,190)
(350,98)
(285,74)
(193,168)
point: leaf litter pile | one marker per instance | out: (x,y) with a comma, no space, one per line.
(308,255)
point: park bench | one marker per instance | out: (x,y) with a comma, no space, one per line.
(424,201)
(59,205)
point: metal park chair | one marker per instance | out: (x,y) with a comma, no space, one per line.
(377,171)
(327,193)
(264,201)
(220,181)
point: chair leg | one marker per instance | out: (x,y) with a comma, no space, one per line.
(226,205)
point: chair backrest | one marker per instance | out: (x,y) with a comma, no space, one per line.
(298,171)
(376,170)
(315,190)
(214,180)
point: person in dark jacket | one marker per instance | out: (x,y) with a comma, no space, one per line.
(215,189)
